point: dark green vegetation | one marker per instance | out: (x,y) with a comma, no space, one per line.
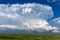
(29,36)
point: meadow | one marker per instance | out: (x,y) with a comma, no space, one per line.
(29,36)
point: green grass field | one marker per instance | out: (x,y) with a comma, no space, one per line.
(29,36)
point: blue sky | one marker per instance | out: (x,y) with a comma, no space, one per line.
(30,15)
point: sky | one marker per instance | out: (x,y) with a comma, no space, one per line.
(32,16)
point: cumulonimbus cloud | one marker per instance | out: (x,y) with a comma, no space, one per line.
(29,16)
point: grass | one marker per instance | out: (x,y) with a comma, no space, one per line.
(29,36)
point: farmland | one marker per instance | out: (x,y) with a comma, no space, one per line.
(29,36)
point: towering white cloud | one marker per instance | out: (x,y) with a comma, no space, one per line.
(29,16)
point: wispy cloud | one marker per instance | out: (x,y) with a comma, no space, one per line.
(55,22)
(52,0)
